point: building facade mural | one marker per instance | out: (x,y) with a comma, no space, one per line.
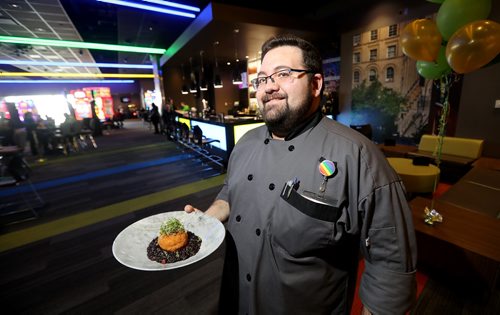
(377,57)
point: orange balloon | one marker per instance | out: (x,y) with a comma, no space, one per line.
(421,40)
(473,46)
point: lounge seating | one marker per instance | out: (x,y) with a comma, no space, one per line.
(416,178)
(457,154)
(454,150)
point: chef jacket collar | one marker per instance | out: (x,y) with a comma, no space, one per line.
(304,126)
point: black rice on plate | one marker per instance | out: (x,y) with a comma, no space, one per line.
(156,253)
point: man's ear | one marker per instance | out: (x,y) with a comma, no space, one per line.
(317,83)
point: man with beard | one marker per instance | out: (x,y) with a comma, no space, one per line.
(303,197)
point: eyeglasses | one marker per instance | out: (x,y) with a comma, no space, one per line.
(281,76)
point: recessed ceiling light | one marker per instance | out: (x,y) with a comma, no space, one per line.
(39,29)
(35,56)
(14,5)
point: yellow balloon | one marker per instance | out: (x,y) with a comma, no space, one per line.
(421,40)
(473,46)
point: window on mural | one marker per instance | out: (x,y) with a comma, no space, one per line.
(356,39)
(356,76)
(393,30)
(373,34)
(373,54)
(391,51)
(356,57)
(373,75)
(389,74)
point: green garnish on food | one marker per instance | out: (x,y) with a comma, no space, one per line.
(171,226)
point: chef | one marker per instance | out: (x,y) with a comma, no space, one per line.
(304,196)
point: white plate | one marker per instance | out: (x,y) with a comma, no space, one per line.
(130,246)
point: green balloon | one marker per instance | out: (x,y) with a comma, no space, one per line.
(453,14)
(434,70)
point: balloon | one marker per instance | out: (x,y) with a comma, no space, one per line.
(421,40)
(473,46)
(434,70)
(453,14)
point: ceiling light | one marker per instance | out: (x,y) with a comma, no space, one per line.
(149,8)
(75,44)
(236,71)
(184,89)
(217,79)
(193,86)
(75,64)
(175,5)
(203,80)
(64,81)
(77,75)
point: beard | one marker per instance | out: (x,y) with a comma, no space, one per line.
(282,119)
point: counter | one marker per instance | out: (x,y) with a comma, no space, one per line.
(228,132)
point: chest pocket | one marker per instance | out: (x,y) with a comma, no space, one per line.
(301,226)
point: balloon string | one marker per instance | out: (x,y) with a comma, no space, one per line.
(445,84)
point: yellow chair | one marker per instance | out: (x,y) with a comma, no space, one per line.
(416,178)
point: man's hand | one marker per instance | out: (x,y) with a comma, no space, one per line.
(219,210)
(190,208)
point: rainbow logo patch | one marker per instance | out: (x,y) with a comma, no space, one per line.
(327,168)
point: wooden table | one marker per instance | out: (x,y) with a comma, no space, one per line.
(487,162)
(398,150)
(478,190)
(466,229)
(445,158)
(465,246)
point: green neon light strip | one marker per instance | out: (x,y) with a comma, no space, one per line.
(74,44)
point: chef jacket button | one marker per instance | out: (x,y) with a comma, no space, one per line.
(266,141)
(271,186)
(238,218)
(250,177)
(291,148)
(257,231)
(249,278)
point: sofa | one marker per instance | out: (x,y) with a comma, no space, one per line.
(457,154)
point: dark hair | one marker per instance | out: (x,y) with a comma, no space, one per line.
(310,54)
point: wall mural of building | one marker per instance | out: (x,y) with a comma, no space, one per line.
(378,59)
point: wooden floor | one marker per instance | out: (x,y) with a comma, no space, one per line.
(74,272)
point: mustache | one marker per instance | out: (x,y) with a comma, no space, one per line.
(268,97)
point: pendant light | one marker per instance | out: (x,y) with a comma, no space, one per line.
(184,86)
(217,79)
(192,83)
(236,70)
(203,80)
